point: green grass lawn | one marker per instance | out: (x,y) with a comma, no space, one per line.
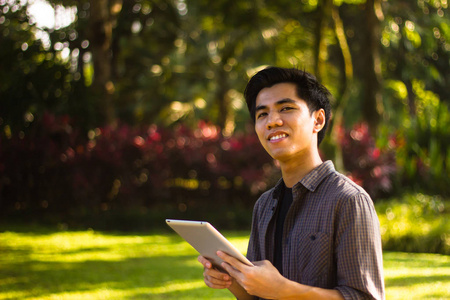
(93,265)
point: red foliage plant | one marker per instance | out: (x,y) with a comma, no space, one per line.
(369,166)
(54,168)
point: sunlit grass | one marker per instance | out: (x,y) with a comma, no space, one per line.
(92,265)
(417,276)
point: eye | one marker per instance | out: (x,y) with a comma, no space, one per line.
(260,115)
(287,108)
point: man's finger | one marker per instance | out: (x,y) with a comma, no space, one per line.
(206,263)
(217,277)
(217,274)
(235,263)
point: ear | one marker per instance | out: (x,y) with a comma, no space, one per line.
(319,120)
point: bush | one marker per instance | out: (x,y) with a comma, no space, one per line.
(55,173)
(415,223)
(424,152)
(132,178)
(368,165)
(422,139)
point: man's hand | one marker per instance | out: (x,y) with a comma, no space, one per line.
(262,279)
(214,278)
(219,280)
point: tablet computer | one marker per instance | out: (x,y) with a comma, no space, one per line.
(206,240)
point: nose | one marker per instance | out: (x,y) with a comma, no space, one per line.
(274,120)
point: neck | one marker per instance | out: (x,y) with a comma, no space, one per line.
(293,171)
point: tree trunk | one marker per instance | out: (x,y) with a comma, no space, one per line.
(400,72)
(342,96)
(102,19)
(226,114)
(373,99)
(411,98)
(321,51)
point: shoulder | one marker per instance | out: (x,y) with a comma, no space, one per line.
(341,187)
(345,197)
(353,205)
(265,199)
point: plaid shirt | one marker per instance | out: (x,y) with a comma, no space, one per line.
(331,235)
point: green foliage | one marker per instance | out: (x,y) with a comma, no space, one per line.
(415,223)
(35,76)
(424,143)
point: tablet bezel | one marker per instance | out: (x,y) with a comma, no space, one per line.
(206,239)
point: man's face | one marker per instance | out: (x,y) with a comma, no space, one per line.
(284,124)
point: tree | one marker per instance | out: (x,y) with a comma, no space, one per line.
(373,98)
(166,62)
(32,72)
(103,17)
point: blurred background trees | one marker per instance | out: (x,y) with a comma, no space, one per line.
(138,103)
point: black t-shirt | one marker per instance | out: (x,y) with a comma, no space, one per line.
(282,209)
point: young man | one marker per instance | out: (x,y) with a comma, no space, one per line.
(315,235)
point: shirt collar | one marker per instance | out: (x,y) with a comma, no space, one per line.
(311,181)
(315,177)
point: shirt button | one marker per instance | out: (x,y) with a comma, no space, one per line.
(313,237)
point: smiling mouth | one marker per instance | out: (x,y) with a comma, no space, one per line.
(277,137)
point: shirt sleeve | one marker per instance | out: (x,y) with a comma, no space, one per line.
(358,250)
(253,244)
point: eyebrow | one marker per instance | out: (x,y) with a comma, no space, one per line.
(279,102)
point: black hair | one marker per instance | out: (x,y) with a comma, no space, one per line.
(309,89)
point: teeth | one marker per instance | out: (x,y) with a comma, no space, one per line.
(277,137)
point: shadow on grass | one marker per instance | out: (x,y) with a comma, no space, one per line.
(415,260)
(416,271)
(416,280)
(38,278)
(191,294)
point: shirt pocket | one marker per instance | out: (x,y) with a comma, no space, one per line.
(313,257)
